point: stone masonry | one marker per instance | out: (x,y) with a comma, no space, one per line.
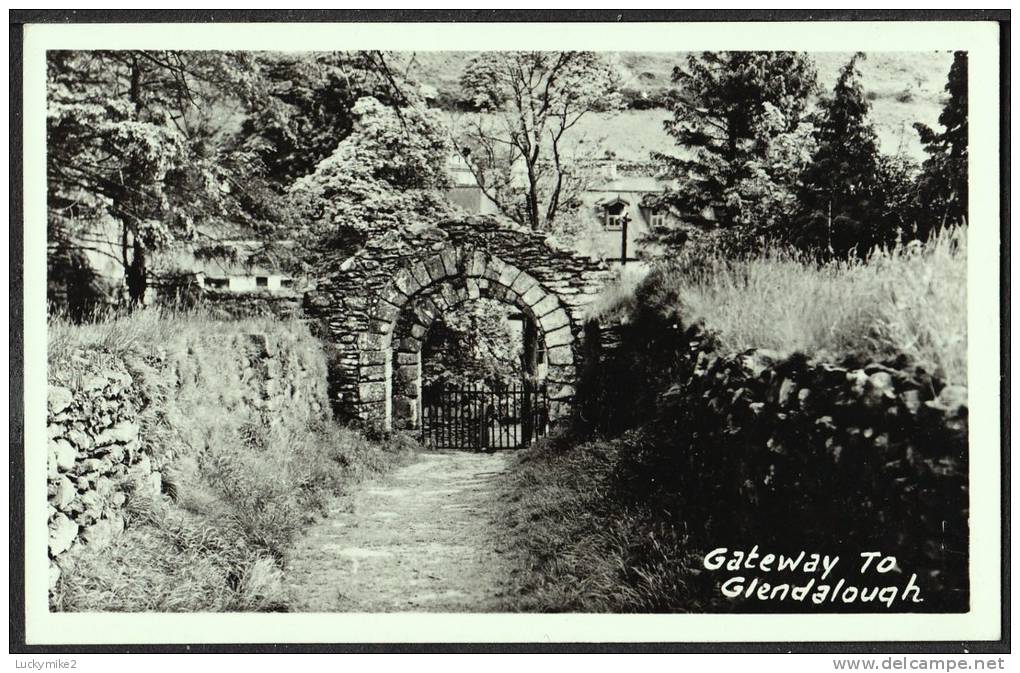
(378,306)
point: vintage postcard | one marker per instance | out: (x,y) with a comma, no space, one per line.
(512,332)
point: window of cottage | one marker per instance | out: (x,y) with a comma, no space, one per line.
(261,281)
(217,282)
(657,218)
(614,215)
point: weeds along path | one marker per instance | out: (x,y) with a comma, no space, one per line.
(422,538)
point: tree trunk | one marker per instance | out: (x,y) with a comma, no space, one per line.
(136,275)
(533,215)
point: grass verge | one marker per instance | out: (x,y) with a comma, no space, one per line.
(587,543)
(910,299)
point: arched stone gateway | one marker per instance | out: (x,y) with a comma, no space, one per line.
(380,304)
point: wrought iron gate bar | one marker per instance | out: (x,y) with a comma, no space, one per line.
(476,418)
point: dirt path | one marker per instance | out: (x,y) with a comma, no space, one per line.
(419,539)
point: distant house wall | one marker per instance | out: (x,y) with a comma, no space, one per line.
(264,283)
(472,200)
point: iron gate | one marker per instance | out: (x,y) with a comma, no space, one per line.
(475,418)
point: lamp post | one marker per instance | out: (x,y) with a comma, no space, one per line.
(624,221)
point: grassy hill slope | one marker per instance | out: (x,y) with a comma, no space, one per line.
(904,87)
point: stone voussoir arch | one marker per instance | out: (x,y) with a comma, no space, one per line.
(422,291)
(380,304)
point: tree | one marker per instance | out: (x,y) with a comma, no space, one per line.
(841,202)
(474,344)
(738,119)
(388,173)
(133,138)
(528,101)
(307,107)
(942,190)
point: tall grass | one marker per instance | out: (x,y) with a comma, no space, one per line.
(909,299)
(243,479)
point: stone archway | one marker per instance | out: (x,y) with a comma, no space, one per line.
(379,304)
(423,291)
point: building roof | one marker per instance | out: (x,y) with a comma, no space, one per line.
(632,183)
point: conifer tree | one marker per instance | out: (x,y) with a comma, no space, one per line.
(942,191)
(737,118)
(841,202)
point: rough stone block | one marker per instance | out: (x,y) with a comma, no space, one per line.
(561,392)
(524,282)
(494,268)
(62,454)
(421,274)
(386,311)
(122,433)
(373,373)
(63,533)
(406,375)
(61,493)
(409,358)
(373,357)
(394,296)
(548,304)
(534,295)
(553,321)
(562,373)
(409,344)
(58,399)
(405,282)
(508,275)
(559,337)
(435,268)
(560,355)
(405,412)
(372,391)
(372,341)
(451,261)
(479,262)
(380,326)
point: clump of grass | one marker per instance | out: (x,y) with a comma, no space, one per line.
(617,299)
(909,299)
(583,543)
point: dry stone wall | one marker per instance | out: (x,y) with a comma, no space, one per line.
(116,425)
(791,453)
(95,459)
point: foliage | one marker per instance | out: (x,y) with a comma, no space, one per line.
(517,153)
(838,197)
(388,173)
(136,137)
(852,198)
(474,344)
(306,109)
(942,189)
(739,118)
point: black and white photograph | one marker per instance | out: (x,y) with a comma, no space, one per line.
(672,331)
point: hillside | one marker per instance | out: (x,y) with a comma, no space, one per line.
(904,88)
